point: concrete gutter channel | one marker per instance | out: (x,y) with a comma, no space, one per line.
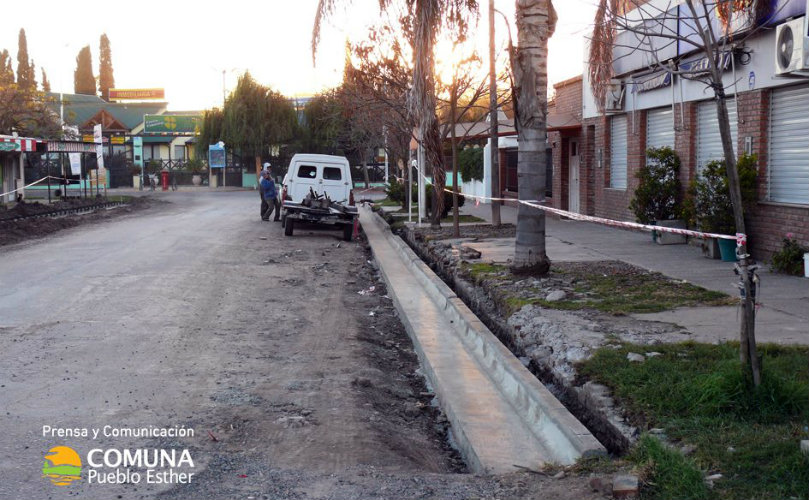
(502,416)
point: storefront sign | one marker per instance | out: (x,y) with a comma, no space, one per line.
(702,65)
(216,156)
(136,94)
(98,139)
(9,146)
(137,150)
(172,124)
(653,82)
(75,163)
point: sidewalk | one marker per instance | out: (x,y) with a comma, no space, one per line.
(784,313)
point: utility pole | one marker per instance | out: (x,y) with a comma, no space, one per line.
(494,172)
(453,106)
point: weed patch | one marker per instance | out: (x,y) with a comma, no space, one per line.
(700,396)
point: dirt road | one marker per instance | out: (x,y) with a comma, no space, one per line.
(283,356)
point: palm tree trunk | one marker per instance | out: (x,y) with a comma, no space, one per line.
(453,107)
(423,99)
(535,19)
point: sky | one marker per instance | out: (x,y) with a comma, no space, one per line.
(185,46)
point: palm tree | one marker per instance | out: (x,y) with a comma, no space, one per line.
(429,15)
(536,20)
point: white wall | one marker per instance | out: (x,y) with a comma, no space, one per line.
(762,65)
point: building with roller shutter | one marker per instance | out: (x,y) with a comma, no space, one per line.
(768,107)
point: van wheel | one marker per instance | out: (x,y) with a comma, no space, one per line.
(289,226)
(348,231)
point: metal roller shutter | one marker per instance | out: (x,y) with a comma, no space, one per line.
(788,172)
(659,128)
(709,142)
(618,152)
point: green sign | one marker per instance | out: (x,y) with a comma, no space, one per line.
(9,146)
(172,124)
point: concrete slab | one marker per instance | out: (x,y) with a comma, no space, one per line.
(717,324)
(501,250)
(492,433)
(784,300)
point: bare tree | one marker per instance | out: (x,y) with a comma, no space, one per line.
(428,17)
(714,29)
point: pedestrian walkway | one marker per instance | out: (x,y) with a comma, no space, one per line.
(784,313)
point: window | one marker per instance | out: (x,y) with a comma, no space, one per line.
(788,169)
(618,152)
(179,152)
(511,170)
(709,142)
(307,171)
(332,174)
(659,128)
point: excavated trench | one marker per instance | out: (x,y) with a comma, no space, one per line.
(584,401)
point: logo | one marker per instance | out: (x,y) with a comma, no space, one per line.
(62,466)
(9,146)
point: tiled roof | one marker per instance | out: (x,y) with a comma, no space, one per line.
(81,108)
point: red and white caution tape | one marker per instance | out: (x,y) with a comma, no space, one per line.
(29,185)
(741,239)
(614,223)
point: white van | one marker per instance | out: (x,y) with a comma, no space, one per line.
(324,174)
(318,189)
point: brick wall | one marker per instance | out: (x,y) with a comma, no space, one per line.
(768,223)
(614,203)
(567,97)
(685,141)
(567,102)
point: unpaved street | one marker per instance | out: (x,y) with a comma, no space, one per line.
(283,355)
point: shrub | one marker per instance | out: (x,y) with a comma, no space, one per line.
(789,259)
(195,166)
(447,201)
(658,194)
(470,164)
(710,194)
(396,191)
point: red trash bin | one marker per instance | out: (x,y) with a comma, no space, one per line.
(164,179)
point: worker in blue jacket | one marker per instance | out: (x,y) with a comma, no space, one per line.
(269,197)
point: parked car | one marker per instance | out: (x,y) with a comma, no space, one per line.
(318,189)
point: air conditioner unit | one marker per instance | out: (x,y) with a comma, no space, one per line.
(791,47)
(614,99)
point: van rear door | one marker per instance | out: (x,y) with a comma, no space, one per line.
(305,176)
(335,182)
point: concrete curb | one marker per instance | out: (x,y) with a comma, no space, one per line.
(564,436)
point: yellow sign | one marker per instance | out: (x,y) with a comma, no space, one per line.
(118,139)
(62,466)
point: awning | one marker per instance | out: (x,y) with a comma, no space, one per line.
(71,147)
(9,143)
(159,139)
(562,121)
